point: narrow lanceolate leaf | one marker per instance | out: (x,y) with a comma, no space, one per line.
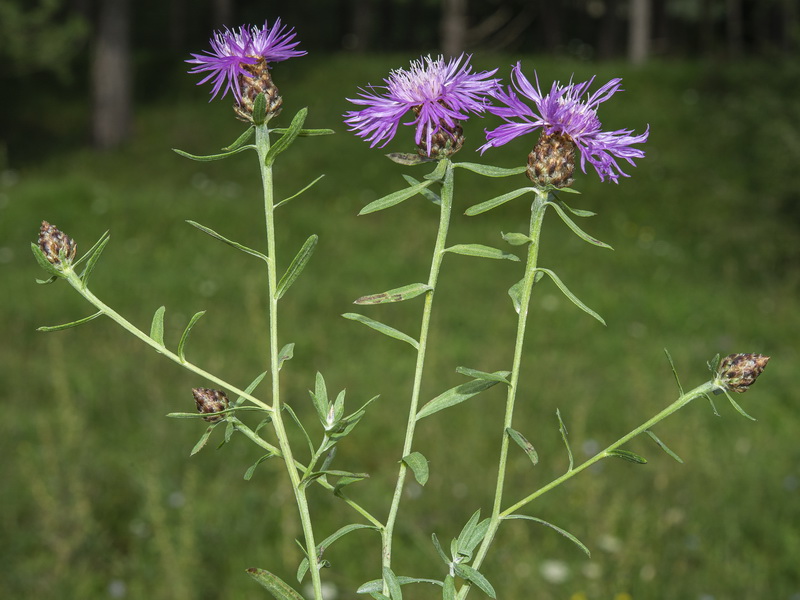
(472,534)
(663,446)
(241,140)
(296,194)
(279,589)
(101,241)
(628,455)
(70,325)
(283,142)
(427,193)
(296,267)
(202,441)
(577,211)
(489,171)
(562,429)
(408,159)
(286,353)
(210,157)
(231,243)
(419,466)
(474,576)
(481,251)
(392,584)
(577,230)
(319,397)
(523,443)
(738,408)
(384,329)
(305,132)
(516,239)
(376,585)
(477,209)
(572,297)
(248,475)
(157,326)
(475,374)
(185,336)
(438,173)
(675,372)
(396,295)
(449,588)
(91,262)
(395,198)
(457,395)
(563,532)
(249,389)
(325,544)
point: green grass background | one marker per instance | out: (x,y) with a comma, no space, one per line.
(100,498)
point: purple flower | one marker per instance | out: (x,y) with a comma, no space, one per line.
(232,50)
(440,93)
(564,112)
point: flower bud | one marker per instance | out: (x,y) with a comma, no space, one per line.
(737,372)
(56,245)
(552,161)
(210,401)
(259,81)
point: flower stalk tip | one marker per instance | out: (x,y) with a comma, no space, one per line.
(737,372)
(210,401)
(59,249)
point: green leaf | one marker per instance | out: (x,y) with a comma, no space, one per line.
(394,198)
(419,466)
(221,238)
(490,171)
(70,325)
(93,257)
(202,441)
(296,194)
(325,544)
(475,374)
(427,193)
(241,140)
(305,132)
(471,535)
(481,251)
(562,429)
(299,424)
(185,336)
(577,230)
(409,159)
(248,475)
(210,157)
(346,478)
(738,408)
(515,291)
(279,589)
(320,397)
(663,446)
(395,593)
(474,576)
(477,209)
(297,266)
(628,455)
(675,372)
(157,326)
(524,444)
(438,173)
(100,241)
(376,585)
(563,532)
(516,239)
(283,142)
(572,297)
(457,395)
(449,591)
(43,262)
(249,389)
(379,596)
(47,281)
(577,211)
(439,549)
(384,329)
(396,295)
(286,353)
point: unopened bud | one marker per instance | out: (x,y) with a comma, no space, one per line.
(552,161)
(259,81)
(210,401)
(56,245)
(737,372)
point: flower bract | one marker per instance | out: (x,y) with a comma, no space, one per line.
(440,93)
(567,110)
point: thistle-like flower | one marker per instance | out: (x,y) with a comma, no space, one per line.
(566,114)
(58,248)
(239,62)
(210,401)
(737,372)
(440,93)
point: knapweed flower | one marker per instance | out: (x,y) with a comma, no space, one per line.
(239,62)
(57,246)
(210,401)
(440,93)
(569,114)
(737,372)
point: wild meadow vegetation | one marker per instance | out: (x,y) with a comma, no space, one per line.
(101,499)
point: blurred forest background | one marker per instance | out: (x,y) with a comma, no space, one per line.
(100,498)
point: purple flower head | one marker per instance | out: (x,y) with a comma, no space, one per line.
(232,50)
(440,93)
(565,112)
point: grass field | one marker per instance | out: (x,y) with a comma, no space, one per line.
(100,498)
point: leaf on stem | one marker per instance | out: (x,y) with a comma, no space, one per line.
(663,446)
(92,257)
(474,576)
(210,157)
(419,466)
(477,209)
(440,550)
(523,443)
(248,475)
(286,353)
(458,394)
(157,326)
(297,265)
(274,585)
(738,408)
(49,328)
(481,251)
(407,292)
(570,296)
(392,584)
(249,389)
(185,336)
(384,329)
(319,397)
(516,239)
(490,171)
(674,372)
(563,532)
(296,194)
(577,230)
(241,140)
(578,212)
(475,374)
(471,535)
(376,585)
(394,198)
(231,243)
(408,159)
(628,455)
(202,441)
(283,142)
(304,132)
(562,429)
(325,544)
(299,424)
(432,196)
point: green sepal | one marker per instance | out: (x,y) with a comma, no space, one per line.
(396,295)
(241,140)
(283,142)
(43,262)
(210,157)
(475,374)
(286,353)
(577,230)
(474,576)
(325,544)
(563,532)
(477,209)
(490,171)
(376,585)
(279,589)
(249,389)
(663,446)
(427,193)
(394,198)
(297,265)
(392,584)
(516,239)
(248,475)
(523,443)
(296,194)
(481,251)
(48,328)
(562,429)
(231,243)
(384,329)
(157,326)
(259,109)
(305,132)
(570,296)
(419,466)
(185,336)
(202,441)
(457,395)
(628,455)
(449,588)
(408,159)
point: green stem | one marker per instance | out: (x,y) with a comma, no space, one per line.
(436,263)
(262,148)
